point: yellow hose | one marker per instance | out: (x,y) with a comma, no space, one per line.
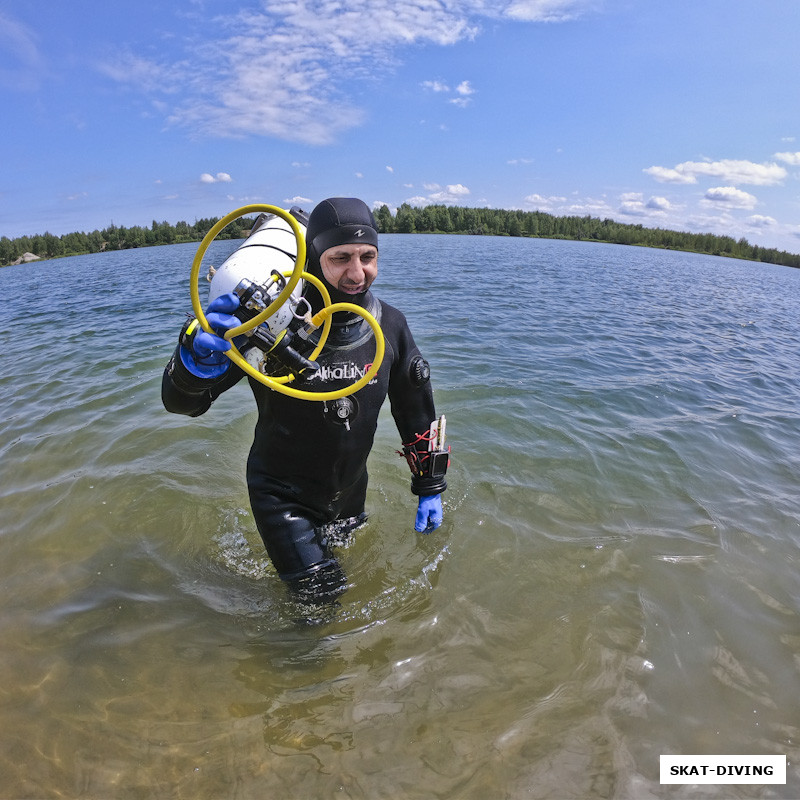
(322,317)
(326,312)
(323,337)
(256,208)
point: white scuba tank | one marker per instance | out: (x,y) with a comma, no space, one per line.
(271,247)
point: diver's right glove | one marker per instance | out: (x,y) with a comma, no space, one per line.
(203,354)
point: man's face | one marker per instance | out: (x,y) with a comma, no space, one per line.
(350,268)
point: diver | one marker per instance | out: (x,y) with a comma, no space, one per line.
(307,467)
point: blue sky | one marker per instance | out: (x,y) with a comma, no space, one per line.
(668,113)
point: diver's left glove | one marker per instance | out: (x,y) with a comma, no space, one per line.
(203,354)
(429,514)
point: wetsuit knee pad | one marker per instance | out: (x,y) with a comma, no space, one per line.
(290,537)
(298,551)
(320,584)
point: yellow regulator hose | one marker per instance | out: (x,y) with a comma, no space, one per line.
(323,317)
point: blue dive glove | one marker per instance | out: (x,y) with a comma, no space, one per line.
(429,514)
(203,354)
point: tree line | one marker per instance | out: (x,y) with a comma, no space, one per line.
(116,237)
(498,222)
(413,219)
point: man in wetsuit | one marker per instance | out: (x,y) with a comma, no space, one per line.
(306,472)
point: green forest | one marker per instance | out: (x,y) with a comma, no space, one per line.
(411,219)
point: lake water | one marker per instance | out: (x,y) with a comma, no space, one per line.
(617,576)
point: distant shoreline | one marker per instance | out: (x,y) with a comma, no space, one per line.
(411,219)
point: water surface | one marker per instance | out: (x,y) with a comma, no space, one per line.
(617,576)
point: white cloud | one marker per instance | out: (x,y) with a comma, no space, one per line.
(667,175)
(558,205)
(220,177)
(297,200)
(760,221)
(721,224)
(659,204)
(435,86)
(445,197)
(590,206)
(463,90)
(729,170)
(729,196)
(22,62)
(545,203)
(452,193)
(733,171)
(544,10)
(140,73)
(789,158)
(719,212)
(634,204)
(632,208)
(276,69)
(389,169)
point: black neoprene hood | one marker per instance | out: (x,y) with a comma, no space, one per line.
(340,220)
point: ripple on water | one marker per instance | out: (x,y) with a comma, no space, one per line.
(617,575)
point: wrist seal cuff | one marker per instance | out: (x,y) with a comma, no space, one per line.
(428,460)
(185,380)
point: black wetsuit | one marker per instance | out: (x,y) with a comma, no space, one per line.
(307,466)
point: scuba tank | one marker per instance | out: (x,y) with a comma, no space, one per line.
(257,272)
(266,273)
